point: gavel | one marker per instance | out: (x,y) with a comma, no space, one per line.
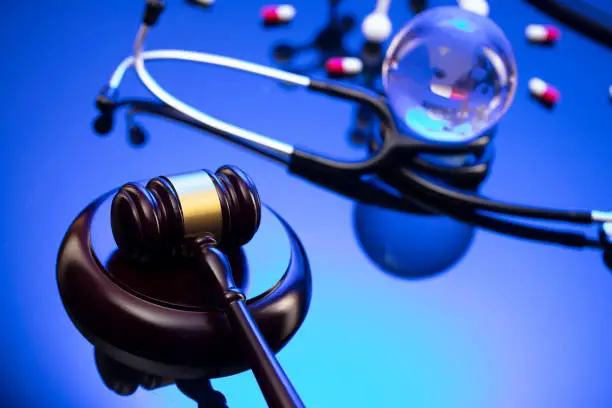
(201,213)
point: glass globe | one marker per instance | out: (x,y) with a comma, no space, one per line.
(449,75)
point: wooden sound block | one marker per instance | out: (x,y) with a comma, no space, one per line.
(157,318)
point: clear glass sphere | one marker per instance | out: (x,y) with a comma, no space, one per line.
(450,75)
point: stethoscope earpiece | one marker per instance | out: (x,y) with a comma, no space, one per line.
(106,103)
(153,10)
(103,124)
(137,135)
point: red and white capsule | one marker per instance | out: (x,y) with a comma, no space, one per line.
(542,33)
(344,66)
(448,92)
(543,91)
(279,14)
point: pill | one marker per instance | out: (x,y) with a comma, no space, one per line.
(542,33)
(448,92)
(343,66)
(278,14)
(546,92)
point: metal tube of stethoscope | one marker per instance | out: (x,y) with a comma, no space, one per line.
(410,183)
(272,148)
(260,144)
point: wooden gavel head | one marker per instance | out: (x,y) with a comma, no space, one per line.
(155,219)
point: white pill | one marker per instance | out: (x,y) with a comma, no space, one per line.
(344,66)
(542,33)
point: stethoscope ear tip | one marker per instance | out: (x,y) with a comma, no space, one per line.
(137,135)
(103,124)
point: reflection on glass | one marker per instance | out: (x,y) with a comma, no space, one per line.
(125,380)
(410,245)
(450,74)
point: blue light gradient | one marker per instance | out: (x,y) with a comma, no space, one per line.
(410,245)
(511,324)
(462,25)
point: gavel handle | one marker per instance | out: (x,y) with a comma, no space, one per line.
(274,383)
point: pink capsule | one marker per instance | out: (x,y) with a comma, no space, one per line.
(545,92)
(542,33)
(278,14)
(343,66)
(448,92)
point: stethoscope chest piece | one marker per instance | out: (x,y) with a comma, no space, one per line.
(157,318)
(462,170)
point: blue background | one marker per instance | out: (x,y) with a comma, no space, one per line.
(511,324)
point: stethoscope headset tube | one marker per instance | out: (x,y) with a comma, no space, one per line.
(391,164)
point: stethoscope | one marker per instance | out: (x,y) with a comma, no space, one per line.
(390,177)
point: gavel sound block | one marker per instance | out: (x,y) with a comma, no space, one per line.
(157,317)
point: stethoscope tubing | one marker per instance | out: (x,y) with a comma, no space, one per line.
(401,201)
(322,170)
